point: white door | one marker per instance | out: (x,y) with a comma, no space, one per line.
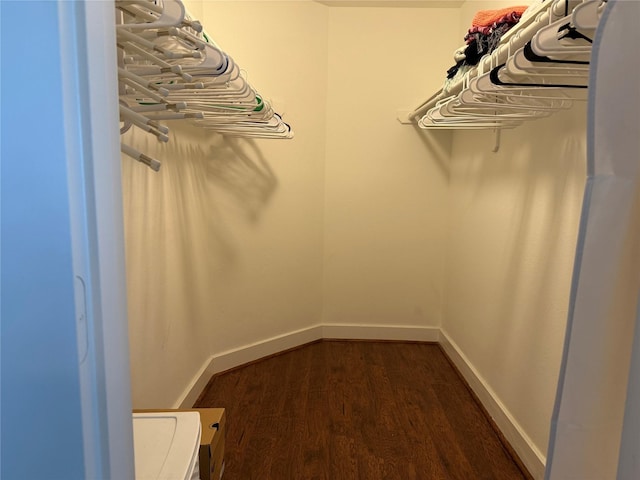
(66,406)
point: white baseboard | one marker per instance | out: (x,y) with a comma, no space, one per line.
(239,356)
(248,353)
(196,386)
(381,332)
(532,458)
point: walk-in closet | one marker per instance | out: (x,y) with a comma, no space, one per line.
(286,194)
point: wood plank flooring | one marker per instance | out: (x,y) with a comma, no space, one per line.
(337,410)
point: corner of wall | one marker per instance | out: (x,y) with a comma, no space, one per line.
(524,447)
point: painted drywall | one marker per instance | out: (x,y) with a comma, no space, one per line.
(359,220)
(385,183)
(513,223)
(224,244)
(512,234)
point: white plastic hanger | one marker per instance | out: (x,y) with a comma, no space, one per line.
(552,40)
(143,15)
(140,157)
(170,69)
(587,15)
(518,63)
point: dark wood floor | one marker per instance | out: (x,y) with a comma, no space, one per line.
(355,410)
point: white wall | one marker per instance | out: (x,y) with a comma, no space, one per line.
(359,220)
(512,233)
(386,183)
(224,244)
(513,225)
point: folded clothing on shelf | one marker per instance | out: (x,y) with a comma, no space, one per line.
(487,28)
(486,18)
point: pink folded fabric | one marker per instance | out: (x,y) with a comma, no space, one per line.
(482,30)
(486,18)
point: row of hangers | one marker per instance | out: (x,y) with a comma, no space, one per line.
(540,66)
(171,69)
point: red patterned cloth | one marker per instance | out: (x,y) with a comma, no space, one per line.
(486,18)
(509,20)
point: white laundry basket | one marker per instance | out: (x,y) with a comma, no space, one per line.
(166,445)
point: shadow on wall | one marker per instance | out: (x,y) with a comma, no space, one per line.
(438,144)
(180,246)
(513,230)
(238,167)
(537,185)
(206,181)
